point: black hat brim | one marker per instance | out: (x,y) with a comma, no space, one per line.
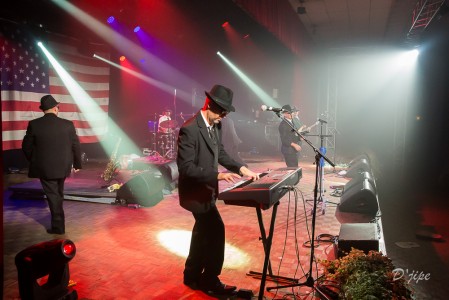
(219,102)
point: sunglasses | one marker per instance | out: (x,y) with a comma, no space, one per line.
(218,110)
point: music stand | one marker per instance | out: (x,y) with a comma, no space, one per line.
(310,281)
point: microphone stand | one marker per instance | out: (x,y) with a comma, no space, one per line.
(310,281)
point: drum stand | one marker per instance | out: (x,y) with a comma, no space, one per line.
(153,136)
(170,147)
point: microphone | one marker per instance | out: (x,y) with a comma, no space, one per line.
(270,108)
(322,121)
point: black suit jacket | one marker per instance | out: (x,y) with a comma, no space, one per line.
(198,183)
(52,147)
(288,136)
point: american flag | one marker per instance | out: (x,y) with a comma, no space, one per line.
(27,75)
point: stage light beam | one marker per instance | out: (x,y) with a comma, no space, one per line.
(90,110)
(264,97)
(124,45)
(178,242)
(154,82)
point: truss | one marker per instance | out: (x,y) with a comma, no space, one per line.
(423,13)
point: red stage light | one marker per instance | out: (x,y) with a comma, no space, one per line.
(68,249)
(246,36)
(122,58)
(225,24)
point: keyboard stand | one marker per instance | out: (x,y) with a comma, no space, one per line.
(267,241)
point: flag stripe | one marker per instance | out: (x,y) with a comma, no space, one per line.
(26,106)
(94,118)
(22,125)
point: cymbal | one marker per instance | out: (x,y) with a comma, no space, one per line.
(168,124)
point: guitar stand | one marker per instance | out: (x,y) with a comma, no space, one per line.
(321,198)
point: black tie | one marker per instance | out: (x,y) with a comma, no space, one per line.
(212,135)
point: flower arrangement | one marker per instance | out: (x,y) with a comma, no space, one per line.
(363,276)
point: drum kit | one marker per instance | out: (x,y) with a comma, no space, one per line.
(163,138)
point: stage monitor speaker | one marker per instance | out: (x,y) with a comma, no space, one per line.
(170,173)
(361,198)
(357,179)
(362,236)
(144,189)
(357,167)
(358,158)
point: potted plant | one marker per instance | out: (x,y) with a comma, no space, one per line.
(362,276)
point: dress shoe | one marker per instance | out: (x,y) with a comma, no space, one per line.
(218,288)
(55,231)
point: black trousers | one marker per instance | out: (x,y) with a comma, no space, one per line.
(54,190)
(207,246)
(291,159)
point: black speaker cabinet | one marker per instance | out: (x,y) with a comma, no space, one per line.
(144,189)
(362,236)
(355,181)
(360,198)
(170,173)
(358,158)
(357,167)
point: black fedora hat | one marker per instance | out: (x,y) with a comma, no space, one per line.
(48,102)
(287,108)
(222,96)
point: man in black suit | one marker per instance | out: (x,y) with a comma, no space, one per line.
(199,152)
(290,141)
(52,148)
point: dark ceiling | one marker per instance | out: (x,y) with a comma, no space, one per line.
(330,23)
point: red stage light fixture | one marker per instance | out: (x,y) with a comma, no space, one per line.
(69,249)
(50,259)
(122,58)
(246,36)
(225,24)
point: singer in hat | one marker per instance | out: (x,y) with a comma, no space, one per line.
(52,148)
(200,151)
(290,141)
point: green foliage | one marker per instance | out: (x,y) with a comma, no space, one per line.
(365,277)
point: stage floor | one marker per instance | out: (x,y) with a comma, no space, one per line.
(127,253)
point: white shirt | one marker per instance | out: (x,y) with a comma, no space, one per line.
(162,119)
